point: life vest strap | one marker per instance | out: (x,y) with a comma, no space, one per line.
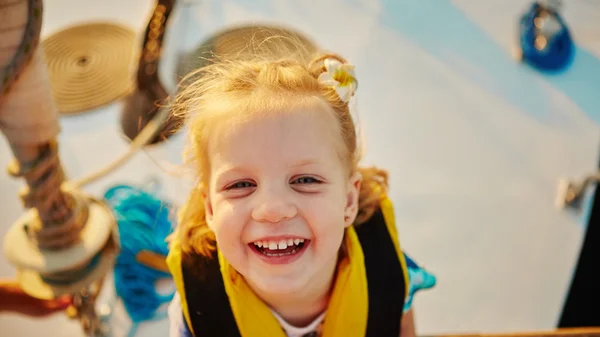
(208,305)
(385,278)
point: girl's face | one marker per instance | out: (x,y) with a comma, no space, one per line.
(280,198)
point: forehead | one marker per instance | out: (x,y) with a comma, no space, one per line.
(278,139)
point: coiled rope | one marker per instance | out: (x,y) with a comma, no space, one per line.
(144,223)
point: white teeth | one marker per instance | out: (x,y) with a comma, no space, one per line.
(281,245)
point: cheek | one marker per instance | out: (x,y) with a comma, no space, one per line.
(228,232)
(227,225)
(327,222)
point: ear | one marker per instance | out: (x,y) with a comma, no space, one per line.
(352,194)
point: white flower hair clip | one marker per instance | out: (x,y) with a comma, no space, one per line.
(340,76)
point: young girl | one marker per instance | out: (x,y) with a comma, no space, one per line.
(284,235)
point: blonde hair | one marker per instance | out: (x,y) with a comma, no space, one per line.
(243,88)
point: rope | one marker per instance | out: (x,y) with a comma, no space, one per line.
(89,65)
(62,215)
(143,138)
(144,224)
(10,71)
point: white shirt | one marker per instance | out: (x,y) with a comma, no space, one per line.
(293,331)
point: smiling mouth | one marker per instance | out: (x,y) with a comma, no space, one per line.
(279,248)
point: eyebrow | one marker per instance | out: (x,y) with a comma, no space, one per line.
(237,169)
(228,170)
(305,162)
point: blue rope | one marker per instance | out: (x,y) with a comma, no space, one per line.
(143,223)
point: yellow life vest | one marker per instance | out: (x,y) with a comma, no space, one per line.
(367,298)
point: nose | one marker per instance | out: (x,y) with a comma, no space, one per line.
(273,208)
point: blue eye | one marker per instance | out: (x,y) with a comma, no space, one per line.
(306,180)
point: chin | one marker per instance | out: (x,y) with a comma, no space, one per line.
(279,285)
